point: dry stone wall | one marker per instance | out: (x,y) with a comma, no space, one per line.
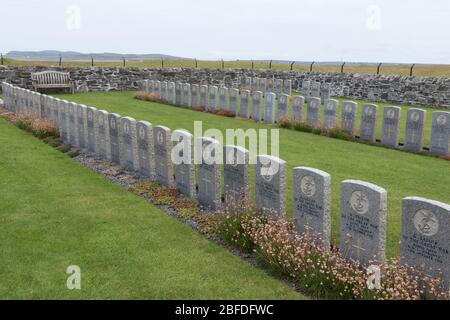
(421,91)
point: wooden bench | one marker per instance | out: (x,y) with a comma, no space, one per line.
(52,80)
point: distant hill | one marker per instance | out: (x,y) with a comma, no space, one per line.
(77,56)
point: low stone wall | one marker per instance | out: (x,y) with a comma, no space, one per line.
(420,91)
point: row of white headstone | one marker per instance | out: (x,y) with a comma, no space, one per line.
(149,151)
(270,108)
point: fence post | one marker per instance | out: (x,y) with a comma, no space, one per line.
(196,63)
(162,63)
(342,67)
(292,65)
(311,66)
(1,59)
(270,65)
(92,61)
(223,64)
(253,65)
(411,69)
(123,61)
(378,67)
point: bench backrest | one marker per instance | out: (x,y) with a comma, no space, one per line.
(51,77)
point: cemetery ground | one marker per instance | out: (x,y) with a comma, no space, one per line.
(401,174)
(55,213)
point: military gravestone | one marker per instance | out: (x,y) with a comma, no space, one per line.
(103,145)
(313,115)
(245,95)
(297,108)
(212,98)
(146,161)
(287,87)
(164,91)
(369,116)
(128,144)
(187,95)
(440,133)
(81,125)
(315,89)
(391,126)
(209,173)
(330,120)
(178,93)
(325,92)
(415,120)
(269,107)
(223,97)
(194,96)
(157,88)
(363,222)
(233,100)
(90,132)
(236,176)
(257,101)
(171,93)
(204,96)
(278,86)
(261,85)
(63,114)
(183,159)
(283,106)
(113,119)
(270,188)
(270,87)
(425,242)
(312,204)
(348,118)
(163,162)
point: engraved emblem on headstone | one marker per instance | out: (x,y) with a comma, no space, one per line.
(265,172)
(308,186)
(348,108)
(100,120)
(113,123)
(441,120)
(141,132)
(426,222)
(415,116)
(126,128)
(160,137)
(369,111)
(359,202)
(90,115)
(390,114)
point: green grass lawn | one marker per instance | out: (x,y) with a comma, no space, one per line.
(54,212)
(401,174)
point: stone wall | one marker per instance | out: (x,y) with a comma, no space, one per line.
(421,91)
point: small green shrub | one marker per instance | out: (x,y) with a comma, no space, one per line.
(301,126)
(64,148)
(338,133)
(73,153)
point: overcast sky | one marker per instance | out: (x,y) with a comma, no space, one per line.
(303,30)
